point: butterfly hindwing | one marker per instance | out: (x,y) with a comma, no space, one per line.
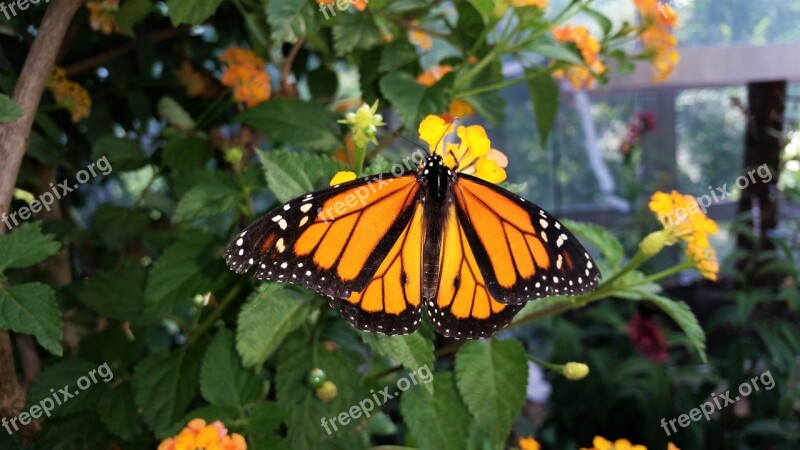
(391,301)
(523,252)
(309,240)
(464,308)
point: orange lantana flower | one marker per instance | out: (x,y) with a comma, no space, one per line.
(201,436)
(244,72)
(589,47)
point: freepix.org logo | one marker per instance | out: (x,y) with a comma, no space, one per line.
(9,10)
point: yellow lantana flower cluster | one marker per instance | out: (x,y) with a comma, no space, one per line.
(683,220)
(589,47)
(418,37)
(473,154)
(244,72)
(103,15)
(70,95)
(201,436)
(658,21)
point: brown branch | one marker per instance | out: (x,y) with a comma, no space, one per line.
(288,89)
(100,58)
(13,144)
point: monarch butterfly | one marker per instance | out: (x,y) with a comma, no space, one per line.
(383,247)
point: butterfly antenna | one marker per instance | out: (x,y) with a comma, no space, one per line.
(455,158)
(415,143)
(446,132)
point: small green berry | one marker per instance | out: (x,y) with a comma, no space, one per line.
(316,377)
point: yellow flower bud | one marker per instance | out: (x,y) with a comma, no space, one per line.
(575,371)
(342,177)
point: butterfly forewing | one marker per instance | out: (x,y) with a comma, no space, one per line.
(523,252)
(333,240)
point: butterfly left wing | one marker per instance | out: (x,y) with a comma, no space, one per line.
(523,252)
(463,307)
(332,240)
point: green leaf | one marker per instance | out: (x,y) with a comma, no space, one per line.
(26,246)
(286,20)
(190,266)
(600,18)
(685,318)
(485,7)
(267,318)
(32,309)
(117,411)
(118,225)
(266,418)
(544,95)
(207,200)
(397,54)
(192,12)
(548,49)
(295,122)
(290,175)
(116,293)
(491,107)
(223,380)
(411,350)
(492,377)
(412,100)
(9,109)
(355,31)
(122,154)
(132,12)
(608,245)
(187,153)
(438,421)
(65,374)
(171,111)
(165,384)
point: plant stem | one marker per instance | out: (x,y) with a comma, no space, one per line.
(212,318)
(667,272)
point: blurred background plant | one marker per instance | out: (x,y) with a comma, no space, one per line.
(213,112)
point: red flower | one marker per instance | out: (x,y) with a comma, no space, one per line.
(647,338)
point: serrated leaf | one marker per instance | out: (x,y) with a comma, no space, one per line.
(397,54)
(544,96)
(117,411)
(294,362)
(190,266)
(267,318)
(9,109)
(598,236)
(123,154)
(437,421)
(290,175)
(411,350)
(492,377)
(32,309)
(207,200)
(26,246)
(295,122)
(192,12)
(355,31)
(285,18)
(171,111)
(682,314)
(116,293)
(165,384)
(65,374)
(223,380)
(412,100)
(187,153)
